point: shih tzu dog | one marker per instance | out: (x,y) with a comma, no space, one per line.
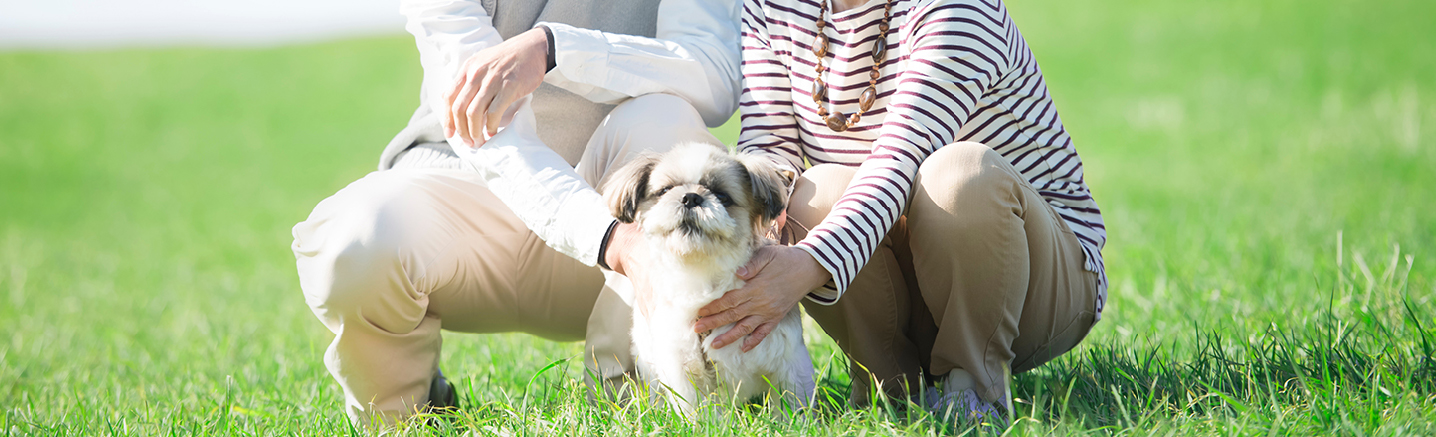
(703,213)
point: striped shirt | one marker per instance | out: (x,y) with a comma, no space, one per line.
(956,70)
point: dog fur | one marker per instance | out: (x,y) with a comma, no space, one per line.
(703,213)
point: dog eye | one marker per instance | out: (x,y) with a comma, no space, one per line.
(723,198)
(663,191)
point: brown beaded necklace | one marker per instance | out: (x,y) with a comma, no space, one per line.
(837,121)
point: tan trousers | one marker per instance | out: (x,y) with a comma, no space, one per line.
(396,256)
(980,273)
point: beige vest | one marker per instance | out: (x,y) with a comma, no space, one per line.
(565,120)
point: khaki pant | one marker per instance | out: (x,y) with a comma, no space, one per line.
(980,273)
(396,256)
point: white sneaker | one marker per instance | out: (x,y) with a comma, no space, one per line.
(965,405)
(957,399)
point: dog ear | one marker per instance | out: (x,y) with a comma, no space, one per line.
(769,184)
(627,187)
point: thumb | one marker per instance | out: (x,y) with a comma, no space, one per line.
(760,259)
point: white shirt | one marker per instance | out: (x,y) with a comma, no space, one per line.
(695,56)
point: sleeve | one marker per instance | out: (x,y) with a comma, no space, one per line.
(954,52)
(527,176)
(695,56)
(540,187)
(447,33)
(765,107)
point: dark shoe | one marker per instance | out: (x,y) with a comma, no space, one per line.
(442,394)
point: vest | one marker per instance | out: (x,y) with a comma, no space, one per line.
(565,120)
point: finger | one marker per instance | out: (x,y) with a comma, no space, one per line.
(729,301)
(459,81)
(458,110)
(758,335)
(447,118)
(495,114)
(760,259)
(476,115)
(739,330)
(719,320)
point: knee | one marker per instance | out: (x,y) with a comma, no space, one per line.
(968,177)
(816,190)
(650,108)
(649,123)
(351,248)
(965,164)
(664,117)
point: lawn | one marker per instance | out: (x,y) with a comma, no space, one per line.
(1267,171)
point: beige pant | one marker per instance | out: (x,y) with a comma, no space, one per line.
(396,256)
(979,273)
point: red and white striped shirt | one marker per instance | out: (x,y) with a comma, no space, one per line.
(956,70)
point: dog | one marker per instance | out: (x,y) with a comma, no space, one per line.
(703,213)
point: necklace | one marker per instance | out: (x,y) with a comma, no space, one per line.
(836,120)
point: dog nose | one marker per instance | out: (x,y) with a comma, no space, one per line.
(691,200)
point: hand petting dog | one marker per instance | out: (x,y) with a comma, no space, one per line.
(691,217)
(777,279)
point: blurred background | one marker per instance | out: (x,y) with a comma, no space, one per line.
(82,24)
(1265,169)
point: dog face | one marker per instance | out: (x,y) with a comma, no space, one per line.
(698,200)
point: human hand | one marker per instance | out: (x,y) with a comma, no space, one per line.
(490,82)
(777,278)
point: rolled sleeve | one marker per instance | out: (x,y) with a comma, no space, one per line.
(541,188)
(694,56)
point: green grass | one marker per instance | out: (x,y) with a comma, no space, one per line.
(1267,172)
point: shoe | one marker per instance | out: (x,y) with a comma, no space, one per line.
(955,398)
(442,394)
(965,405)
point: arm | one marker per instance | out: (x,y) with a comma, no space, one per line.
(952,60)
(447,33)
(695,56)
(520,170)
(769,128)
(470,76)
(766,106)
(526,175)
(954,53)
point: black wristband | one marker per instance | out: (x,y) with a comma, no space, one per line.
(552,57)
(603,245)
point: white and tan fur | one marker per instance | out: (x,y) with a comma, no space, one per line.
(694,251)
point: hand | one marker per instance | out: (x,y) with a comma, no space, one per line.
(491,81)
(628,255)
(777,278)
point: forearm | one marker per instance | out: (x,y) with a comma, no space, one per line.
(694,56)
(541,188)
(446,32)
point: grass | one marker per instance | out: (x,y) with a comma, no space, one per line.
(1265,169)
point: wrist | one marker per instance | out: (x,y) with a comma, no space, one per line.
(532,48)
(550,57)
(817,274)
(615,253)
(603,244)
